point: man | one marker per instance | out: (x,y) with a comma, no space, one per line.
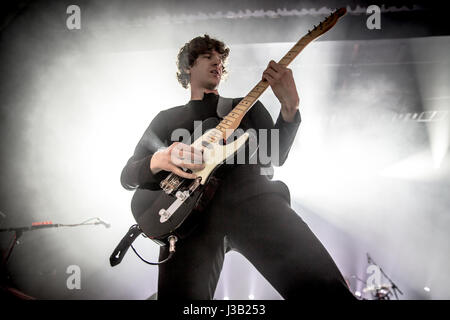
(249,213)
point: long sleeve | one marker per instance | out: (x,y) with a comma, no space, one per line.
(287,131)
(137,173)
(243,181)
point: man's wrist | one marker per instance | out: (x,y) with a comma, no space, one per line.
(288,115)
(153,167)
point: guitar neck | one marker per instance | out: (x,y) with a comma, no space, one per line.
(232,120)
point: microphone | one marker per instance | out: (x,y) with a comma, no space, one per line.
(103,222)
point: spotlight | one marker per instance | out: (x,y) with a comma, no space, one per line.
(226,298)
(426,289)
(251,297)
(358,294)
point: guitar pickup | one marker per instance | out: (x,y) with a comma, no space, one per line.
(171,183)
(168,189)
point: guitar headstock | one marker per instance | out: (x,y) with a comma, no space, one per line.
(327,23)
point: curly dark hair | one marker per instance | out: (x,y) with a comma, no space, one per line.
(190,52)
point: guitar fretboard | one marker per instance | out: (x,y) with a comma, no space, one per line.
(232,120)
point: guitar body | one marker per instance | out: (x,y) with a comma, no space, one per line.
(146,205)
(160,213)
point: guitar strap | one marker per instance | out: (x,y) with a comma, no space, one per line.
(224,106)
(122,248)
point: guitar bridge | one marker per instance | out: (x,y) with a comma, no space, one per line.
(181,197)
(171,183)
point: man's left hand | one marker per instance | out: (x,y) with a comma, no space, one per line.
(282,82)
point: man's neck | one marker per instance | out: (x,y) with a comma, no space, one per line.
(197,94)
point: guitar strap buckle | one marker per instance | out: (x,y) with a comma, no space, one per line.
(124,244)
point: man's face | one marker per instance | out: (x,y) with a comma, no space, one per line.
(206,71)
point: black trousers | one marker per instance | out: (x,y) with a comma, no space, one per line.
(270,235)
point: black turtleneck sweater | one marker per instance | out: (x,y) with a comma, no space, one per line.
(249,177)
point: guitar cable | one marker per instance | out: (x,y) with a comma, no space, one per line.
(172,239)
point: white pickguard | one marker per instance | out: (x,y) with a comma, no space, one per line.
(216,154)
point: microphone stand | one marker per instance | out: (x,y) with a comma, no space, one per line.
(5,289)
(20,230)
(393,285)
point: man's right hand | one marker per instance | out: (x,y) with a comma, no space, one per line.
(178,155)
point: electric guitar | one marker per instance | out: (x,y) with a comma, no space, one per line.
(161,214)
